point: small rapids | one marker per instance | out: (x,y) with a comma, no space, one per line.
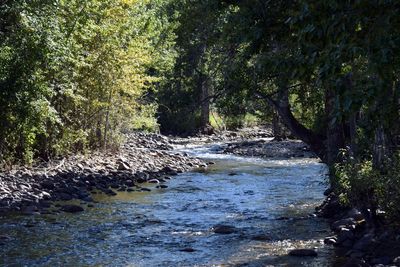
(267,205)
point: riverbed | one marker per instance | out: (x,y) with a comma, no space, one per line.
(267,204)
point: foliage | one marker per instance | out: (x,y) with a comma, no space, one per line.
(73,73)
(362,186)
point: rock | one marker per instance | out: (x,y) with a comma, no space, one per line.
(29,225)
(4,238)
(224,229)
(343,223)
(353,262)
(328,191)
(261,237)
(385,260)
(64,196)
(363,243)
(355,254)
(129,183)
(153,181)
(30,210)
(142,177)
(344,234)
(144,189)
(162,186)
(169,170)
(187,250)
(355,214)
(396,261)
(303,253)
(330,240)
(48,185)
(123,166)
(330,208)
(71,208)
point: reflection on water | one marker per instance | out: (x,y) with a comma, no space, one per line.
(267,201)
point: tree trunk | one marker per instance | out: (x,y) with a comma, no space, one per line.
(276,127)
(379,148)
(106,124)
(334,130)
(204,103)
(282,107)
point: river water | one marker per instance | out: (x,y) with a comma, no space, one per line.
(269,203)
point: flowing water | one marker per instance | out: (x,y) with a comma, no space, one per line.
(267,201)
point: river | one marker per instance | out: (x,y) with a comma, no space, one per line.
(267,204)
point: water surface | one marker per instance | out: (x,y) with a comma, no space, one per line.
(268,201)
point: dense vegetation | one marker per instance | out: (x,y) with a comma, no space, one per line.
(72,73)
(76,74)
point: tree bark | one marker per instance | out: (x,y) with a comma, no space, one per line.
(282,107)
(276,127)
(334,130)
(204,103)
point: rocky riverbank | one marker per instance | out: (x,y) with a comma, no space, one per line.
(357,244)
(142,158)
(252,142)
(269,148)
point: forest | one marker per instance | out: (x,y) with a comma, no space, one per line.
(78,75)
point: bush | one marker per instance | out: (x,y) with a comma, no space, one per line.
(359,184)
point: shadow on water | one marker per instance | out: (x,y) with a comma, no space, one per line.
(267,203)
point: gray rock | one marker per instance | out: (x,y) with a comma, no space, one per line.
(48,185)
(363,243)
(261,237)
(187,250)
(169,170)
(303,253)
(353,262)
(344,223)
(396,261)
(343,235)
(145,189)
(129,183)
(64,196)
(356,214)
(123,166)
(71,208)
(385,260)
(330,240)
(224,229)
